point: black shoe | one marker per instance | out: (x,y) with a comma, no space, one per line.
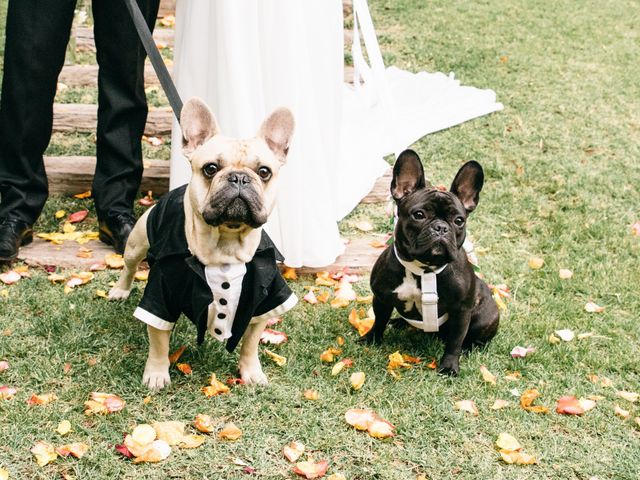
(115,230)
(13,234)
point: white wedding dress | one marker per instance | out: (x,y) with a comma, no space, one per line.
(248,57)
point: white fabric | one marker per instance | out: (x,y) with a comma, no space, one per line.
(245,58)
(219,277)
(430,322)
(151,319)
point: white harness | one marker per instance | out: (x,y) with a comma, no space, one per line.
(430,321)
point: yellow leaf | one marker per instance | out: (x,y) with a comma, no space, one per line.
(44,453)
(519,458)
(156,452)
(43,399)
(142,275)
(380,428)
(336,476)
(114,261)
(499,403)
(526,401)
(171,432)
(192,441)
(64,427)
(215,387)
(621,412)
(59,214)
(553,340)
(204,423)
(311,394)
(357,380)
(468,406)
(329,354)
(628,396)
(311,470)
(82,195)
(278,359)
(68,228)
(101,294)
(290,273)
(293,451)
(565,274)
(76,449)
(487,376)
(507,442)
(535,263)
(230,432)
(144,434)
(103,403)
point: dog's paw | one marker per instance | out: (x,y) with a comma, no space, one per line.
(117,293)
(156,377)
(449,365)
(252,374)
(370,339)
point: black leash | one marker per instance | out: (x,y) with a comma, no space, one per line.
(154,56)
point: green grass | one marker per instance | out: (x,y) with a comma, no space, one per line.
(562,175)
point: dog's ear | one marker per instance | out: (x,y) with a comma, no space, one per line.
(408,175)
(467,185)
(198,125)
(277,131)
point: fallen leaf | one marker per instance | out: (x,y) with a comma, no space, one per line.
(376,426)
(10,277)
(175,356)
(602,381)
(78,216)
(628,396)
(569,405)
(311,470)
(44,453)
(344,294)
(337,476)
(487,376)
(77,279)
(4,365)
(397,360)
(147,200)
(82,195)
(101,294)
(468,406)
(553,340)
(185,368)
(621,412)
(565,274)
(364,299)
(513,376)
(171,432)
(154,141)
(340,341)
(43,399)
(592,307)
(273,337)
(156,452)
(339,366)
(215,387)
(76,449)
(521,352)
(230,432)
(274,321)
(290,273)
(192,441)
(328,356)
(59,214)
(508,442)
(293,451)
(204,423)
(123,450)
(380,428)
(432,364)
(535,263)
(635,229)
(97,267)
(324,279)
(168,21)
(310,298)
(377,244)
(362,325)
(323,297)
(68,228)
(141,275)
(565,334)
(519,458)
(103,403)
(357,380)
(235,381)
(310,394)
(114,261)
(7,393)
(64,427)
(526,401)
(278,359)
(364,226)
(499,404)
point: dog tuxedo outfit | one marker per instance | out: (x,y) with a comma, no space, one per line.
(221,299)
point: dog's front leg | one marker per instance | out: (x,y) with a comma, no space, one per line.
(249,365)
(450,361)
(382,312)
(156,371)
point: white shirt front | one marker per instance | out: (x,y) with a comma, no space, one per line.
(225,282)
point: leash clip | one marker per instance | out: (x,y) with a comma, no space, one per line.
(429,298)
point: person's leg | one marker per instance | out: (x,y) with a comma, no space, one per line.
(122,111)
(36,39)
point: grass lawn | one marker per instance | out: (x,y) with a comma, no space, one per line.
(562,175)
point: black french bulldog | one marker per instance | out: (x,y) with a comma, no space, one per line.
(429,235)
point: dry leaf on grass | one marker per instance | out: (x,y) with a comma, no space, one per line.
(570,405)
(310,297)
(565,334)
(362,419)
(535,263)
(203,423)
(311,394)
(357,380)
(274,337)
(76,449)
(278,359)
(521,352)
(175,356)
(500,404)
(215,387)
(103,403)
(290,273)
(526,401)
(620,412)
(628,396)
(487,376)
(311,470)
(230,432)
(329,355)
(43,399)
(10,277)
(565,274)
(6,392)
(185,368)
(63,427)
(4,365)
(78,216)
(114,261)
(592,307)
(468,406)
(293,451)
(341,365)
(44,452)
(158,451)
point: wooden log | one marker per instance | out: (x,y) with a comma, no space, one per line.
(71,175)
(72,117)
(85,42)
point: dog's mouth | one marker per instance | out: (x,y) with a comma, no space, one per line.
(434,251)
(235,209)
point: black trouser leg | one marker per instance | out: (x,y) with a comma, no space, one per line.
(122,110)
(36,39)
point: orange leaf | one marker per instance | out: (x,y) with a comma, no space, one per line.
(78,216)
(114,261)
(324,279)
(175,356)
(432,364)
(278,359)
(215,387)
(311,394)
(519,458)
(76,449)
(311,470)
(569,405)
(82,195)
(43,399)
(290,273)
(103,403)
(156,452)
(230,432)
(323,297)
(380,428)
(184,368)
(526,401)
(204,423)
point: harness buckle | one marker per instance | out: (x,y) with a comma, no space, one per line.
(429,298)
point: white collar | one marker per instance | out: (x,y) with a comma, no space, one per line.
(416,267)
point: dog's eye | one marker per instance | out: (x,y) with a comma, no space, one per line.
(209,170)
(459,221)
(418,215)
(264,173)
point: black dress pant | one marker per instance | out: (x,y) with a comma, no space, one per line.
(36,40)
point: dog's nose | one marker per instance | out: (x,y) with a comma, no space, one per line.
(440,228)
(239,178)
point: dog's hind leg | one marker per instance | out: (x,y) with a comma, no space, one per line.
(156,371)
(249,365)
(134,252)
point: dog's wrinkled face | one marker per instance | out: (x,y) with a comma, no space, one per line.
(431,223)
(233,182)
